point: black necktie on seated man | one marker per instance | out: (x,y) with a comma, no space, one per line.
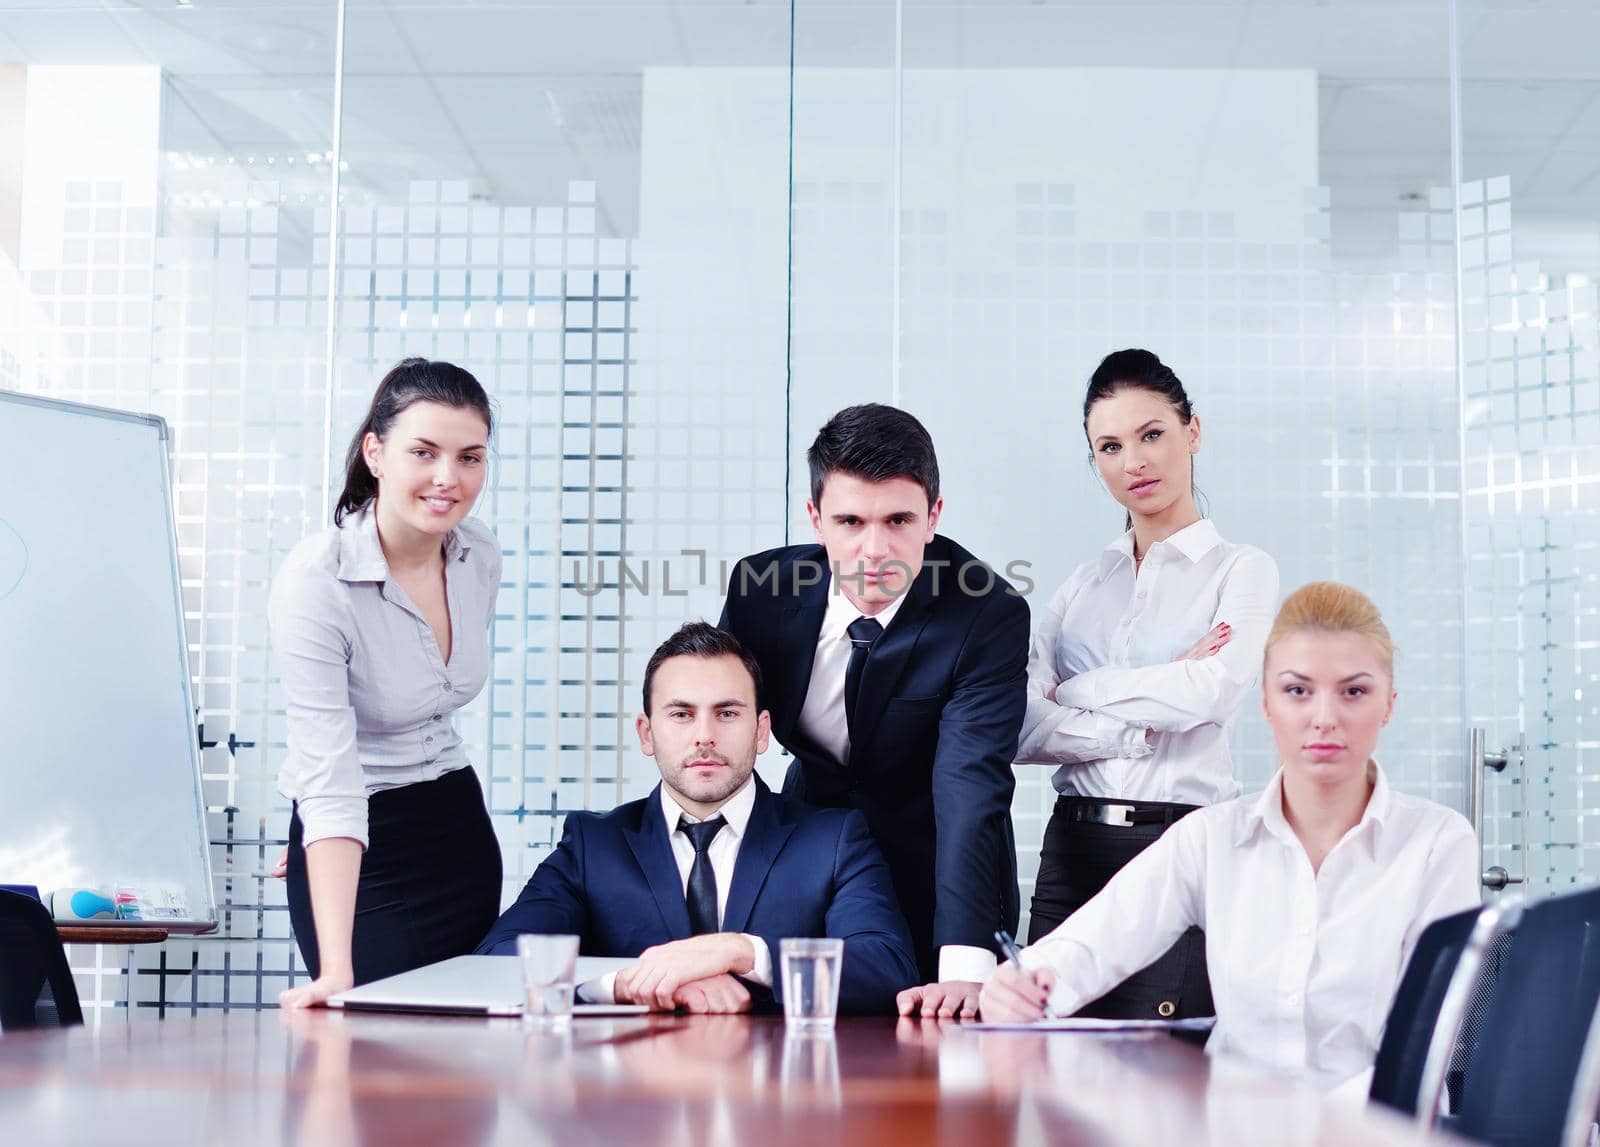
(702,892)
(863,631)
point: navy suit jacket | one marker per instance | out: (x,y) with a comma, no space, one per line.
(942,698)
(614,883)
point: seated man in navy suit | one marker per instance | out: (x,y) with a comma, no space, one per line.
(703,877)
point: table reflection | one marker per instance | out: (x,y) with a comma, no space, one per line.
(352,1071)
(658,1081)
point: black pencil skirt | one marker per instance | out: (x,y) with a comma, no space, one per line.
(430,878)
(1077,859)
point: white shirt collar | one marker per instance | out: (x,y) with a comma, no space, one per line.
(1194,542)
(361,553)
(842,611)
(736,811)
(1267,809)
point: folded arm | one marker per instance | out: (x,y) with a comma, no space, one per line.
(1055,734)
(1181,695)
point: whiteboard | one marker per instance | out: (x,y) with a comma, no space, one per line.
(99,763)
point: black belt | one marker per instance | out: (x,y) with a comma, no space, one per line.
(1124,814)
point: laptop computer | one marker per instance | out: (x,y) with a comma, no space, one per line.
(472,986)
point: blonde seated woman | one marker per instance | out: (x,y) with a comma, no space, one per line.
(1311,894)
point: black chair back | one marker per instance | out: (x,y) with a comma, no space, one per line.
(1466,1047)
(36,988)
(1522,1072)
(1408,1032)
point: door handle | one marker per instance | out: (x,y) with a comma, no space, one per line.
(1497,878)
(1479,759)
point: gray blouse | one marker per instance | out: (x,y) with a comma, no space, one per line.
(370,701)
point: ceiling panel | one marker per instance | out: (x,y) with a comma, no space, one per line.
(243,40)
(1555,42)
(1521,111)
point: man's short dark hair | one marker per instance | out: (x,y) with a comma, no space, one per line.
(875,443)
(700,639)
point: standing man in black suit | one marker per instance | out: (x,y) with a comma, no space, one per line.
(897,672)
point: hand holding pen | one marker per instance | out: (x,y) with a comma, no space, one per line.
(1013,994)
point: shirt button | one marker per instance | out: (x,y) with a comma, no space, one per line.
(427,740)
(1292,999)
(435,717)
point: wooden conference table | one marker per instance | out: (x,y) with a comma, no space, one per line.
(712,1081)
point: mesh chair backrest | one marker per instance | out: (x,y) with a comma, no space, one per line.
(1403,1051)
(1477,1013)
(36,988)
(1521,1073)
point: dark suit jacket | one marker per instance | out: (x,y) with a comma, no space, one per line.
(940,709)
(614,883)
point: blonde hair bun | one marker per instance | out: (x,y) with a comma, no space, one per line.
(1332,607)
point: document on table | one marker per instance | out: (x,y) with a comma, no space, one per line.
(1082,1024)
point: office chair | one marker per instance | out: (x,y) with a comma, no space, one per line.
(1523,1076)
(1477,1008)
(1585,1101)
(1414,1014)
(36,988)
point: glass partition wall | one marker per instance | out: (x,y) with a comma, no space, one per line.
(672,238)
(1529,129)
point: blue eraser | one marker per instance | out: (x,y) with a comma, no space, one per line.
(28,890)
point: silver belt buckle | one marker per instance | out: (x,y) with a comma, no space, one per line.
(1115,814)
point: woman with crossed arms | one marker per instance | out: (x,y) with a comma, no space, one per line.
(1312,895)
(1139,666)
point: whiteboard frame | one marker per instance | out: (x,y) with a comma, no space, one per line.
(207,923)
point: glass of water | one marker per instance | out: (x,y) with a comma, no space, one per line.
(549,975)
(810,970)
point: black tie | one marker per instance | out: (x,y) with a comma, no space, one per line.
(863,632)
(702,894)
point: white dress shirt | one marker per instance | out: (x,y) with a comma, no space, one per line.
(368,695)
(723,853)
(1103,671)
(822,718)
(1303,965)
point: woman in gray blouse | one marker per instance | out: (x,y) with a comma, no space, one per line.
(381,631)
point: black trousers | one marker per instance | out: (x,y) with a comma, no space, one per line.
(430,878)
(1077,859)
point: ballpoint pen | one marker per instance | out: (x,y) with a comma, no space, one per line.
(1009,947)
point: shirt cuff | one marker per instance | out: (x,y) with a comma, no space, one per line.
(964,962)
(324,817)
(761,971)
(602,990)
(1135,742)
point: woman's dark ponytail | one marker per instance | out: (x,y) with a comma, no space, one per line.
(411,381)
